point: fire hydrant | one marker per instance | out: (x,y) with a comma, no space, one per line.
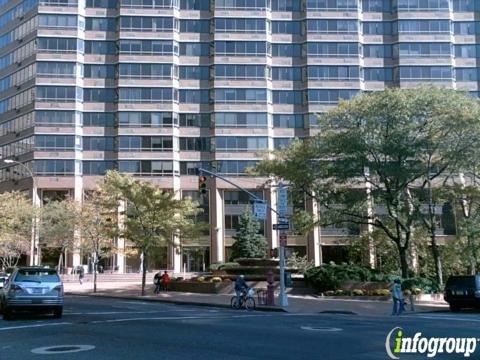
(270,289)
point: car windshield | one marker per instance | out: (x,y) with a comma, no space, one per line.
(37,275)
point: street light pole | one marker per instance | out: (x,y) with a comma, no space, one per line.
(34,256)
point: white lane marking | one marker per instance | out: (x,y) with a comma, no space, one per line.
(320,328)
(125,312)
(175,318)
(33,326)
(49,350)
(442,317)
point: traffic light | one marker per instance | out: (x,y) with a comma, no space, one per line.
(202,184)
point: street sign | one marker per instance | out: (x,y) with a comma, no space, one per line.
(260,210)
(282,200)
(283,239)
(282,226)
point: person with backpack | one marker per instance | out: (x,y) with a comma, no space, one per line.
(157,282)
(397,297)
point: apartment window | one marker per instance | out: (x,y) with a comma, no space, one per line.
(146,94)
(157,47)
(253,72)
(54,118)
(195,120)
(17,124)
(423,26)
(57,44)
(235,167)
(409,5)
(287,73)
(466,51)
(332,26)
(378,74)
(287,50)
(425,73)
(153,4)
(377,51)
(57,21)
(191,167)
(194,144)
(341,5)
(195,49)
(292,121)
(332,49)
(422,49)
(466,27)
(195,72)
(99,119)
(56,69)
(241,143)
(249,120)
(377,28)
(56,93)
(99,95)
(242,25)
(293,97)
(195,26)
(376,6)
(96,143)
(99,71)
(100,47)
(144,23)
(97,167)
(146,167)
(105,4)
(255,96)
(287,27)
(55,142)
(465,5)
(146,119)
(54,167)
(282,143)
(194,96)
(145,71)
(231,222)
(101,24)
(333,72)
(194,5)
(240,48)
(286,5)
(330,96)
(233,197)
(17,148)
(241,4)
(467,74)
(145,143)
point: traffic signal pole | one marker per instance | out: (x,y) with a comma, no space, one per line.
(283,295)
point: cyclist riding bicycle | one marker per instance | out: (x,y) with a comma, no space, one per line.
(241,287)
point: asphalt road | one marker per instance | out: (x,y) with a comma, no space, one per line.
(121,329)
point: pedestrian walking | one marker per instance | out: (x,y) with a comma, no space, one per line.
(397,297)
(157,281)
(165,281)
(80,274)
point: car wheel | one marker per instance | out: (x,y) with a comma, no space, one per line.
(7,314)
(58,312)
(454,308)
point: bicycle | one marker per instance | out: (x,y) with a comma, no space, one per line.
(246,300)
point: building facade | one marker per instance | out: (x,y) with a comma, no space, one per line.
(159,88)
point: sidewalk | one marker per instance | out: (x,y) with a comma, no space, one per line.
(298,304)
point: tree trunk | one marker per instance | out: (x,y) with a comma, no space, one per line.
(95,265)
(403,260)
(144,271)
(60,258)
(472,256)
(436,257)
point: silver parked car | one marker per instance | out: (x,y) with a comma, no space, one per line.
(32,289)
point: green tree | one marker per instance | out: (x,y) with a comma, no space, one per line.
(249,243)
(57,225)
(97,224)
(368,162)
(16,215)
(153,216)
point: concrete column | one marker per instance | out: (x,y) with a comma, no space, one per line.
(314,244)
(217,253)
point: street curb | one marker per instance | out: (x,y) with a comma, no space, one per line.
(177,302)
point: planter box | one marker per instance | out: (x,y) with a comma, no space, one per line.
(202,288)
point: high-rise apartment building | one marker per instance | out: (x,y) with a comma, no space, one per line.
(158,88)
